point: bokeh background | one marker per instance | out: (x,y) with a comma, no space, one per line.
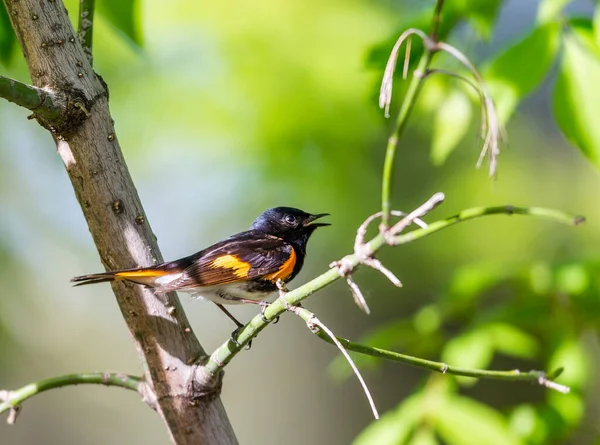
(230,108)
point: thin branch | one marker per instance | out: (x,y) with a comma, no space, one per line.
(35,99)
(478,212)
(85,28)
(437,16)
(420,211)
(11,400)
(225,353)
(318,327)
(540,377)
(410,99)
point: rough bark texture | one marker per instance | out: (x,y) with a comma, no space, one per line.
(86,141)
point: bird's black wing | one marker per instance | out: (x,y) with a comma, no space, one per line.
(247,255)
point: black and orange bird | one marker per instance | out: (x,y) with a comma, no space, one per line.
(244,268)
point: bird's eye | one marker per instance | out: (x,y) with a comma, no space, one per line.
(290,219)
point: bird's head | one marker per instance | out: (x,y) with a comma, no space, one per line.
(288,223)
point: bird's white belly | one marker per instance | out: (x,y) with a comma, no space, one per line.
(226,293)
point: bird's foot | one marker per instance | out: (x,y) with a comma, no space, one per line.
(263,307)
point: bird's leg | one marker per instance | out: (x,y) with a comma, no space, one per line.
(263,307)
(237,323)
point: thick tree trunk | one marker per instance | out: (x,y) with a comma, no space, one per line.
(86,141)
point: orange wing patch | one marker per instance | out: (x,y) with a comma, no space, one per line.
(240,268)
(285,270)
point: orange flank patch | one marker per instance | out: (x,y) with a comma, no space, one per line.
(240,268)
(285,270)
(141,273)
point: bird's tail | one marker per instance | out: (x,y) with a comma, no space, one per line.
(94,278)
(140,276)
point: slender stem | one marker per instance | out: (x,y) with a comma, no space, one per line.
(513,375)
(14,398)
(477,212)
(85,28)
(437,16)
(318,327)
(414,87)
(35,99)
(225,353)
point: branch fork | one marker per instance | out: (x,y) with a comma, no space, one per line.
(365,254)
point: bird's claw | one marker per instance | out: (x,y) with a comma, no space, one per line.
(263,308)
(233,339)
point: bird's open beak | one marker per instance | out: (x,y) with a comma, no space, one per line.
(315,217)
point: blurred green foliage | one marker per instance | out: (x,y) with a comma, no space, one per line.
(229,109)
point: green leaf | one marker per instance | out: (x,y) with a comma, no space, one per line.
(7,36)
(577,92)
(424,436)
(122,15)
(597,24)
(451,123)
(550,10)
(521,68)
(481,15)
(525,423)
(463,421)
(473,349)
(394,427)
(512,341)
(573,279)
(571,355)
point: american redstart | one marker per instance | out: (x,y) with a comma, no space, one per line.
(244,268)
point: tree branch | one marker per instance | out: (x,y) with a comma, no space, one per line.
(225,353)
(40,101)
(11,400)
(85,27)
(187,399)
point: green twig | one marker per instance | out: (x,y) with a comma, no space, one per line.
(223,354)
(35,99)
(540,377)
(11,400)
(390,153)
(408,103)
(437,18)
(85,28)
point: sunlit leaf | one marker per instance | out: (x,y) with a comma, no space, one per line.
(577,92)
(472,280)
(597,24)
(573,358)
(427,320)
(122,15)
(451,123)
(526,422)
(570,407)
(512,341)
(395,426)
(573,279)
(7,36)
(424,436)
(473,349)
(521,68)
(481,15)
(549,10)
(463,421)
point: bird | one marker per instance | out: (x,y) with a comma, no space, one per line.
(247,267)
